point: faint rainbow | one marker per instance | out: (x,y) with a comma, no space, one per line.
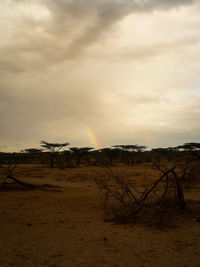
(93,137)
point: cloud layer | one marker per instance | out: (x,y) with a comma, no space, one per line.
(128,69)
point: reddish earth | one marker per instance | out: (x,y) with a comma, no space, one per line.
(65,226)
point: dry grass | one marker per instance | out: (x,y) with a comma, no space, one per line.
(66,227)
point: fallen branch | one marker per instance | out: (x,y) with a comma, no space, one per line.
(20,182)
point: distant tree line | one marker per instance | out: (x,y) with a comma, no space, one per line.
(62,156)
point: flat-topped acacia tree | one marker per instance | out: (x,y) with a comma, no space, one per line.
(193,148)
(130,152)
(131,148)
(53,148)
(79,152)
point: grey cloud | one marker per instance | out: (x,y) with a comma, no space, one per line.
(73,27)
(149,51)
(40,99)
(28,109)
(3,146)
(135,99)
(108,13)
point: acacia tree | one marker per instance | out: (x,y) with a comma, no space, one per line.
(189,163)
(108,155)
(192,148)
(53,148)
(32,150)
(130,152)
(78,153)
(32,154)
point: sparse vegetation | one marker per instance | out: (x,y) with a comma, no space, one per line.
(128,198)
(98,201)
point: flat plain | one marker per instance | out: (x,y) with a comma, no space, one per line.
(64,225)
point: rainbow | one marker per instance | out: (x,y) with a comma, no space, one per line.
(93,137)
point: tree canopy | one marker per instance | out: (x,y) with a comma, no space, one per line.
(53,147)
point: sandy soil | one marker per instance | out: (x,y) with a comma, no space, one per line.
(65,227)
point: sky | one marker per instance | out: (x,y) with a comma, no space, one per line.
(127,70)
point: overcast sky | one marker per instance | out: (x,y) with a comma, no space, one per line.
(127,69)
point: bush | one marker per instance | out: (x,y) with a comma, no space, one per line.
(125,202)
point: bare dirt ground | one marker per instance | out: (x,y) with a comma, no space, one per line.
(65,226)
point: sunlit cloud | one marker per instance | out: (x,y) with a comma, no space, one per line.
(128,69)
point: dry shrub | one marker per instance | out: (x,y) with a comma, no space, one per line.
(164,214)
(189,173)
(126,202)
